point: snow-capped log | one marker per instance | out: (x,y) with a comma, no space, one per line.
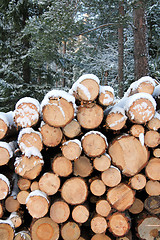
(37,204)
(154,123)
(4,186)
(94,143)
(22,235)
(90,115)
(7,125)
(29,165)
(115,119)
(6,153)
(140,107)
(128,154)
(27,112)
(72,129)
(44,227)
(58,108)
(106,95)
(28,137)
(86,88)
(148,226)
(6,229)
(51,136)
(119,224)
(72,149)
(145,84)
(16,219)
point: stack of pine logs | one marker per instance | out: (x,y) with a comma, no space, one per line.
(82,164)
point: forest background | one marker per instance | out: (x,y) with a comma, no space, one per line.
(46,44)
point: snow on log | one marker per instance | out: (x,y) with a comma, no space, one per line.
(72,149)
(106,95)
(58,108)
(6,153)
(7,125)
(6,229)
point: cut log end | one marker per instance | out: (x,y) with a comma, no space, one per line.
(152,139)
(59,211)
(6,231)
(49,183)
(4,189)
(5,156)
(111,177)
(88,90)
(137,207)
(22,235)
(115,121)
(102,163)
(12,204)
(72,129)
(152,169)
(97,187)
(153,188)
(103,208)
(100,236)
(136,130)
(138,181)
(80,214)
(70,231)
(98,224)
(3,129)
(62,166)
(82,167)
(152,204)
(30,140)
(106,99)
(71,150)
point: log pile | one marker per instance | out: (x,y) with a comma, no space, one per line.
(82,165)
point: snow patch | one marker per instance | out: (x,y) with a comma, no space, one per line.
(74,141)
(156,92)
(8,221)
(141,138)
(104,89)
(98,133)
(29,100)
(37,193)
(5,179)
(27,131)
(8,118)
(32,151)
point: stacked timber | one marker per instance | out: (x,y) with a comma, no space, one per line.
(82,165)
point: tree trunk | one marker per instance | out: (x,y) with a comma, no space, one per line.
(140,41)
(120,50)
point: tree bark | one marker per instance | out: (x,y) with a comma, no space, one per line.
(140,41)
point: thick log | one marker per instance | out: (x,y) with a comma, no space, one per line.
(4,186)
(61,166)
(59,211)
(22,196)
(94,144)
(152,169)
(152,204)
(97,187)
(49,183)
(29,165)
(58,108)
(115,119)
(152,138)
(103,207)
(138,181)
(51,136)
(37,204)
(121,197)
(74,191)
(111,177)
(27,112)
(82,167)
(24,184)
(44,228)
(6,230)
(90,115)
(137,207)
(148,227)
(72,149)
(80,213)
(102,163)
(22,235)
(153,188)
(70,231)
(28,137)
(106,95)
(6,153)
(118,224)
(128,154)
(86,88)
(140,108)
(98,224)
(72,129)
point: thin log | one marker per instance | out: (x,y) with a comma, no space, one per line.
(6,153)
(7,125)
(136,130)
(12,204)
(22,196)
(24,184)
(59,211)
(154,123)
(153,188)
(74,191)
(121,197)
(98,224)
(72,149)
(103,208)
(152,204)
(152,169)
(102,163)
(49,183)
(70,231)
(100,236)
(111,177)
(115,119)
(61,166)
(34,186)
(152,138)
(138,181)
(51,136)
(4,186)
(80,213)
(1,210)
(106,95)
(97,187)
(72,129)
(156,152)
(82,167)
(16,219)
(137,207)
(22,235)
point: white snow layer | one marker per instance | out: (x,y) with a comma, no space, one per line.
(28,131)
(78,84)
(141,138)
(136,84)
(103,89)
(29,100)
(74,141)
(156,92)
(32,151)
(37,193)
(8,221)
(98,133)
(8,118)
(58,94)
(133,98)
(7,146)
(157,115)
(5,179)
